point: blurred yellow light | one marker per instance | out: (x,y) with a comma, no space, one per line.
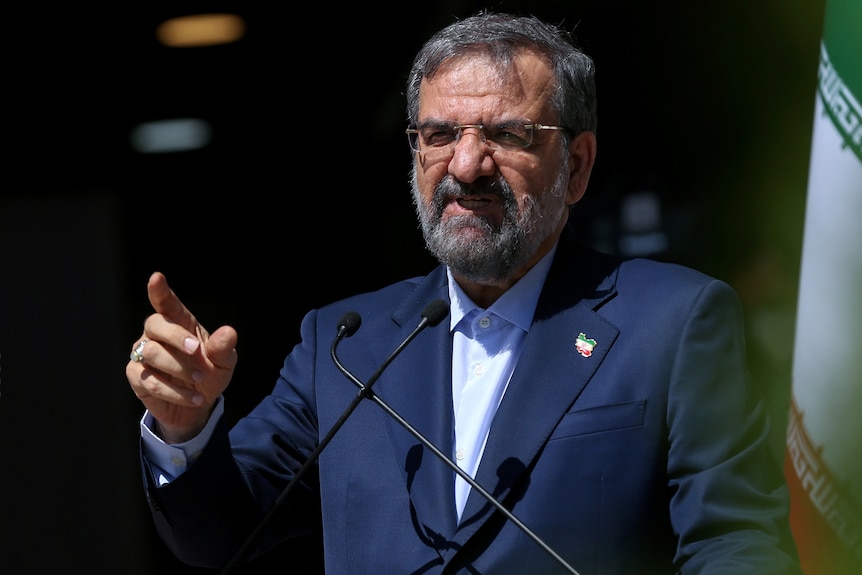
(201,30)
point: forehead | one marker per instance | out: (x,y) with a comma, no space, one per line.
(473,87)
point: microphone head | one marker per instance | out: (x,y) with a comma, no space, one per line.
(435,311)
(349,323)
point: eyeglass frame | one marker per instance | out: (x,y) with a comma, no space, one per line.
(414,133)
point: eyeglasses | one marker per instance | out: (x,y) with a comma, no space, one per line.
(439,138)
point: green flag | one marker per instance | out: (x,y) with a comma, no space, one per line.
(824,436)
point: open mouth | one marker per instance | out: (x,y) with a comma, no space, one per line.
(472,203)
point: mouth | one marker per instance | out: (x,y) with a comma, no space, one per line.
(484,198)
(472,203)
(482,206)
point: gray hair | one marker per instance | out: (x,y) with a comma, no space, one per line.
(501,37)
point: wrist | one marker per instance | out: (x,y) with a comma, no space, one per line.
(174,436)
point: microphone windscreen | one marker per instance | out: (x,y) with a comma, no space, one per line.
(349,323)
(435,311)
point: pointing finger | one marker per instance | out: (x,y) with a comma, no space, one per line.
(165,301)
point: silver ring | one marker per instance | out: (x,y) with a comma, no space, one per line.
(137,354)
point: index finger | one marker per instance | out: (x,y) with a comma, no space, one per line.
(165,301)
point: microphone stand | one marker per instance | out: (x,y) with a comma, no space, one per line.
(433,313)
(347,326)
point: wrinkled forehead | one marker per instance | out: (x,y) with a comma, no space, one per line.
(481,80)
(495,58)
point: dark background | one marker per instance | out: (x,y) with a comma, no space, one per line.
(303,198)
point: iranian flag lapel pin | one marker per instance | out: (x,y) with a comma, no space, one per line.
(585,345)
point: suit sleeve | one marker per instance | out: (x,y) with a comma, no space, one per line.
(729,502)
(208,512)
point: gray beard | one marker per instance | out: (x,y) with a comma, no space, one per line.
(475,249)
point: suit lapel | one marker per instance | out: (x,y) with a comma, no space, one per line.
(421,394)
(550,375)
(539,393)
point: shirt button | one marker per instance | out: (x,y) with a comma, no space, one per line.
(459,454)
(478,369)
(178,461)
(485,322)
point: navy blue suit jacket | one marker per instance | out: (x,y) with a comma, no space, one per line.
(648,456)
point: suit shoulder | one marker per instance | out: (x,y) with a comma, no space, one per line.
(656,270)
(653,278)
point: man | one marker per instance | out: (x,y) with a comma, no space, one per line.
(575,413)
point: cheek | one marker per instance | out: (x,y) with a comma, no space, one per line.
(428,176)
(432,169)
(531,179)
(523,183)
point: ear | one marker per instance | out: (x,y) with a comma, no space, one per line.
(582,156)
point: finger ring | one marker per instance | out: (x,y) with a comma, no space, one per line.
(137,354)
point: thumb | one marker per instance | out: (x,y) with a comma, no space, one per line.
(221,347)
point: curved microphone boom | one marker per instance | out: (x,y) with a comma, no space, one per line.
(365,391)
(432,314)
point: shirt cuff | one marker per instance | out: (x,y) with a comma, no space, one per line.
(171,461)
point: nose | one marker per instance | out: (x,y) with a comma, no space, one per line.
(471,158)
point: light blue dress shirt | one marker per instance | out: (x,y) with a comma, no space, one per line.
(486,346)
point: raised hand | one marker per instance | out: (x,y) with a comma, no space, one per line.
(178,369)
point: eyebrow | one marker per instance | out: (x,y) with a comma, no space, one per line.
(437,123)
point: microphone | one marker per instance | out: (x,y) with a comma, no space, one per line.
(432,314)
(365,391)
(348,324)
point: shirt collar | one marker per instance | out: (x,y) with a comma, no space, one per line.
(517,304)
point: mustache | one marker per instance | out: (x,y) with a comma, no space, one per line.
(484,186)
